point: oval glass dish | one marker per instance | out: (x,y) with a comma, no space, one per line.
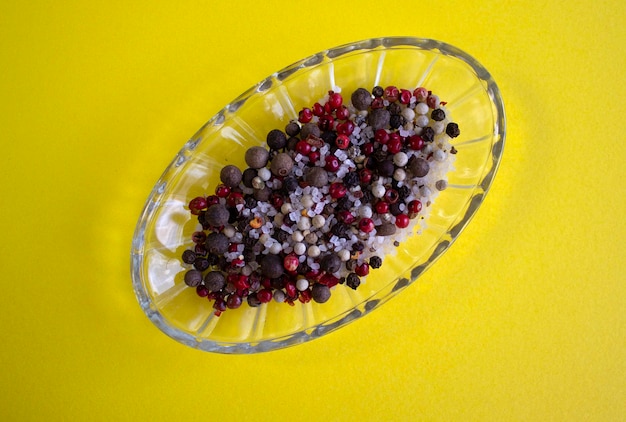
(165,225)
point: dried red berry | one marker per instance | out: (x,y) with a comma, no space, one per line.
(381,136)
(314,156)
(337,190)
(402,221)
(305,115)
(382,207)
(345,128)
(346,216)
(416,142)
(368,148)
(326,122)
(405,96)
(335,100)
(303,147)
(366,225)
(197,204)
(420,94)
(318,110)
(342,142)
(362,270)
(222,191)
(395,145)
(291,263)
(414,206)
(342,113)
(391,94)
(264,295)
(332,163)
(366,176)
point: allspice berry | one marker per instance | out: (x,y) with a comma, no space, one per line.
(193,278)
(214,281)
(316,176)
(262,194)
(386,229)
(379,118)
(361,99)
(247,176)
(256,157)
(419,167)
(216,215)
(320,293)
(276,139)
(216,243)
(272,266)
(292,129)
(231,176)
(310,129)
(330,263)
(386,168)
(282,164)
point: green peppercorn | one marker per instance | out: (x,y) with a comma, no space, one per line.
(193,278)
(216,243)
(276,139)
(282,164)
(316,176)
(320,293)
(257,157)
(231,176)
(214,281)
(361,99)
(379,118)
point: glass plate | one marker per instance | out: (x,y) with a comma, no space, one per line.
(165,226)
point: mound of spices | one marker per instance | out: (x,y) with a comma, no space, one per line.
(329,197)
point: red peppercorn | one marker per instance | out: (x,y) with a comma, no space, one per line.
(342,142)
(198,237)
(264,295)
(291,290)
(212,200)
(377,103)
(318,110)
(381,136)
(305,115)
(234,199)
(362,270)
(420,94)
(337,190)
(332,163)
(303,147)
(391,196)
(305,296)
(395,145)
(345,128)
(416,142)
(382,207)
(314,156)
(313,274)
(234,301)
(232,247)
(277,200)
(327,108)
(329,280)
(346,216)
(402,221)
(342,113)
(368,148)
(365,176)
(222,191)
(197,204)
(202,291)
(366,225)
(291,263)
(414,206)
(335,100)
(405,96)
(391,94)
(326,122)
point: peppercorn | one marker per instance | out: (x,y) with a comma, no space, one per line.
(350,265)
(231,176)
(272,266)
(277,283)
(256,157)
(395,121)
(343,204)
(253,300)
(248,175)
(403,192)
(418,166)
(311,238)
(394,209)
(214,281)
(310,129)
(329,136)
(282,164)
(189,256)
(201,263)
(212,259)
(276,139)
(386,168)
(378,91)
(320,293)
(292,128)
(394,108)
(441,185)
(217,215)
(361,99)
(379,118)
(438,115)
(376,262)
(353,281)
(452,129)
(386,229)
(281,235)
(193,278)
(217,243)
(428,134)
(291,143)
(233,215)
(250,201)
(263,194)
(316,176)
(358,247)
(330,263)
(303,268)
(351,179)
(340,229)
(248,254)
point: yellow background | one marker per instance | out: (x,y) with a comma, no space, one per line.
(524,318)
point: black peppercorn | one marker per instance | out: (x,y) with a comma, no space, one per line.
(358,247)
(351,179)
(428,134)
(233,215)
(231,176)
(253,301)
(290,184)
(277,283)
(394,108)
(193,278)
(378,91)
(320,293)
(272,266)
(248,175)
(403,192)
(452,129)
(212,259)
(386,168)
(361,99)
(249,255)
(281,235)
(201,263)
(214,281)
(217,215)
(350,264)
(394,209)
(250,201)
(343,204)
(291,143)
(216,243)
(396,121)
(189,256)
(438,115)
(330,263)
(340,229)
(276,139)
(379,118)
(292,129)
(353,281)
(376,262)
(262,194)
(329,137)
(303,268)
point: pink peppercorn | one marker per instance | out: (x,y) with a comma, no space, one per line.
(264,295)
(326,122)
(395,145)
(405,96)
(346,216)
(382,207)
(368,148)
(342,142)
(416,142)
(381,136)
(303,147)
(212,200)
(377,103)
(362,270)
(391,94)
(342,113)
(420,94)
(305,296)
(366,225)
(345,128)
(291,290)
(365,176)
(318,110)
(202,291)
(332,163)
(305,115)
(222,191)
(197,204)
(314,156)
(402,221)
(335,100)
(291,263)
(337,190)
(414,206)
